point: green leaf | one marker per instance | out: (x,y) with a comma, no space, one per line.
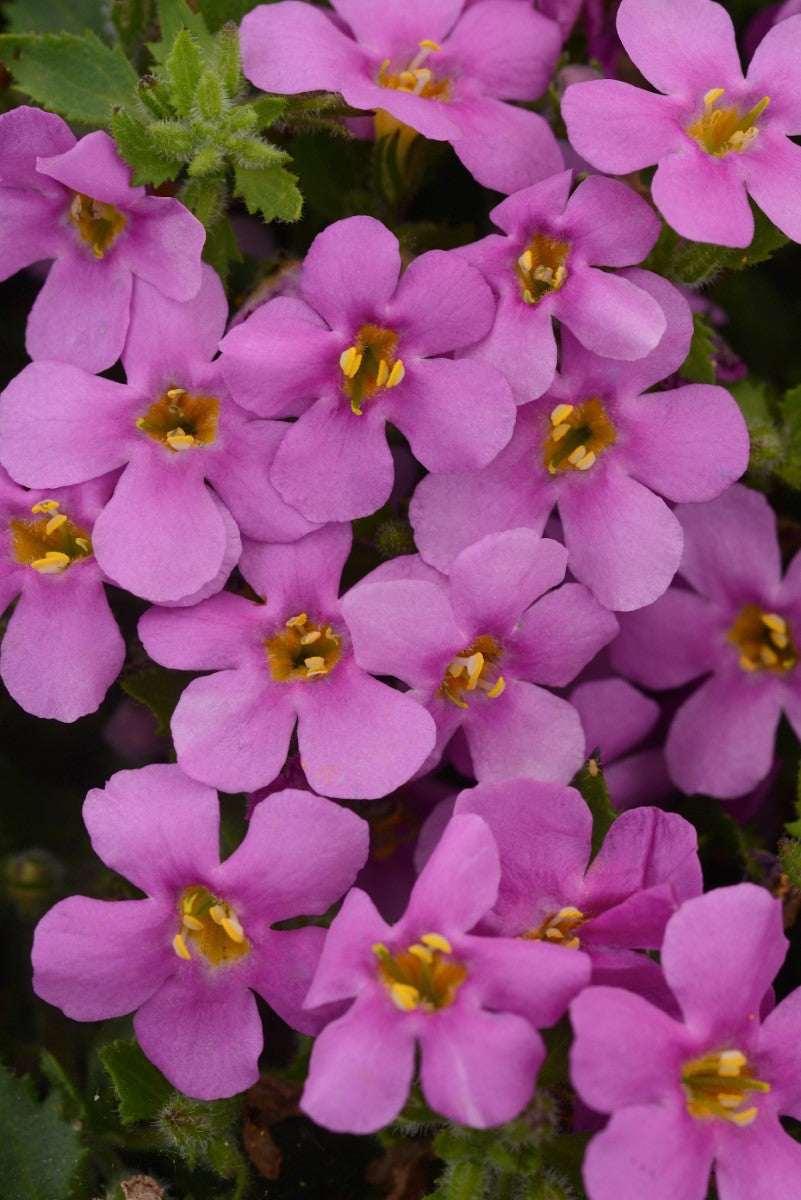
(135,144)
(794,827)
(271,191)
(175,15)
(699,365)
(184,69)
(790,859)
(268,109)
(134,21)
(767,449)
(159,690)
(221,248)
(56,16)
(78,77)
(592,785)
(39,1150)
(217,12)
(141,1088)
(721,836)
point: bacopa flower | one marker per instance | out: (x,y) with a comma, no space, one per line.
(545,266)
(425,66)
(287,660)
(605,451)
(164,534)
(190,956)
(472,1004)
(365,347)
(735,624)
(62,649)
(716,135)
(475,647)
(705,1089)
(72,201)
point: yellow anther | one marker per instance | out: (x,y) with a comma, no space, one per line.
(84,543)
(190,900)
(179,440)
(382,375)
(498,687)
(744,1118)
(422,952)
(775,622)
(309,638)
(423,77)
(55,523)
(781,640)
(769,657)
(174,393)
(45,506)
(559,277)
(592,767)
(300,619)
(560,413)
(577,455)
(527,296)
(554,935)
(396,375)
(315,663)
(141,423)
(404,996)
(730,1099)
(52,563)
(569,914)
(380,949)
(234,930)
(713,94)
(572,944)
(217,914)
(731,1062)
(586,462)
(526,260)
(408,79)
(179,946)
(475,665)
(350,360)
(427,44)
(192,922)
(560,431)
(437,942)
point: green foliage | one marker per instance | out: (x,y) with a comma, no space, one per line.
(794,827)
(699,365)
(774,427)
(592,785)
(269,190)
(790,859)
(159,690)
(78,77)
(695,264)
(142,1090)
(39,1150)
(720,836)
(56,16)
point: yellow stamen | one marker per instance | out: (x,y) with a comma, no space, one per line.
(217,914)
(233,929)
(559,432)
(526,261)
(404,995)
(775,622)
(174,393)
(52,563)
(437,942)
(586,462)
(192,922)
(350,360)
(45,506)
(577,455)
(300,619)
(55,523)
(560,412)
(179,440)
(397,374)
(474,667)
(712,95)
(309,638)
(383,373)
(498,688)
(422,952)
(429,45)
(180,947)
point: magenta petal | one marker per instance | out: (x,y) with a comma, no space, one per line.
(296,48)
(680,46)
(62,649)
(380,26)
(531,978)
(720,955)
(507,47)
(161,536)
(164,247)
(479,1068)
(361,1066)
(301,576)
(522,335)
(404,628)
(609,223)
(93,166)
(269,871)
(773,177)
(762,1162)
(167,339)
(101,958)
(657,1150)
(208,636)
(348,959)
(232,729)
(731,551)
(283,971)
(624,542)
(457,415)
(30,228)
(704,198)
(458,884)
(525,731)
(494,580)
(59,425)
(24,132)
(350,452)
(560,634)
(360,739)
(670,642)
(612,1071)
(610,315)
(668,447)
(156,827)
(504,147)
(203,1031)
(774,67)
(81,314)
(780,1053)
(350,272)
(615,716)
(637,125)
(442,303)
(721,740)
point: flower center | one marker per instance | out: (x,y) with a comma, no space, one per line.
(764,641)
(416,78)
(181,421)
(720,131)
(211,926)
(370,365)
(423,976)
(560,928)
(717,1086)
(50,544)
(302,650)
(474,669)
(98,224)
(541,267)
(578,434)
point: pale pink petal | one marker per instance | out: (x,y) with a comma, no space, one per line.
(704,198)
(81,314)
(639,127)
(686,46)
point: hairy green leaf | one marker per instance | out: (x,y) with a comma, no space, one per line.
(592,785)
(141,1088)
(56,16)
(175,15)
(699,365)
(184,69)
(135,144)
(78,77)
(39,1149)
(271,191)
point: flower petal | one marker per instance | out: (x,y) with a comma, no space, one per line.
(350,272)
(496,579)
(638,126)
(525,731)
(610,315)
(704,198)
(681,46)
(560,634)
(81,314)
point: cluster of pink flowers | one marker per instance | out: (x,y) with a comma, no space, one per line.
(524,372)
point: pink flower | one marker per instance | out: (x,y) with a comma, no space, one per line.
(716,135)
(72,201)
